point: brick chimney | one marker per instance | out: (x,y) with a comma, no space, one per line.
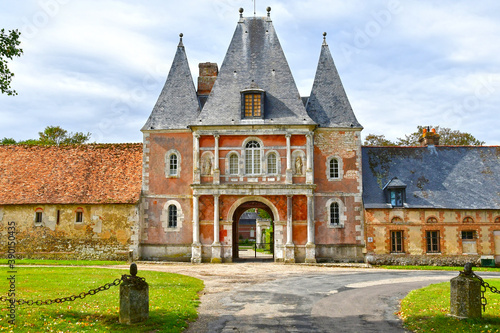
(429,137)
(206,80)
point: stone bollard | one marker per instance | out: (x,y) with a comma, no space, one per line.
(465,295)
(134,298)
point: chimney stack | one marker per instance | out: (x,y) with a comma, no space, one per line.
(206,78)
(429,137)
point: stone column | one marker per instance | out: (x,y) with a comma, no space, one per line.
(310,246)
(196,158)
(216,170)
(196,247)
(288,179)
(258,236)
(310,161)
(216,246)
(289,247)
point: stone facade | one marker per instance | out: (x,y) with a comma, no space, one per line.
(104,232)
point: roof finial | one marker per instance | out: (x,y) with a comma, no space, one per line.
(241,12)
(268,11)
(324,38)
(181,35)
(180,41)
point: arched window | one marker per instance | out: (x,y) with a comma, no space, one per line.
(334,214)
(396,219)
(468,219)
(233,164)
(432,220)
(497,220)
(333,169)
(272,164)
(172,216)
(173,165)
(252,158)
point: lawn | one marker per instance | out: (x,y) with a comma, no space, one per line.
(426,309)
(64,262)
(173,300)
(440,268)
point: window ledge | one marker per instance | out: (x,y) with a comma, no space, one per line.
(335,226)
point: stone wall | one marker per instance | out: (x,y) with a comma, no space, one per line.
(104,234)
(428,260)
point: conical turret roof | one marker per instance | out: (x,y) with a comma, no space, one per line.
(178,106)
(328,104)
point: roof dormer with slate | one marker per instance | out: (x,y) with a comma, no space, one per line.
(328,104)
(254,59)
(178,105)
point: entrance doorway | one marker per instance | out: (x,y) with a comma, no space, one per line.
(253,232)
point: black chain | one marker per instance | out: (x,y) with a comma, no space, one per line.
(129,279)
(484,286)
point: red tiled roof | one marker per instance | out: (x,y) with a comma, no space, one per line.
(87,174)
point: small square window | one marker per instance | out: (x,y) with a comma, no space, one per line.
(38,217)
(397,198)
(468,234)
(79,217)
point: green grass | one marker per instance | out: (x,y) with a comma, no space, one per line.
(173,300)
(426,309)
(65,262)
(441,268)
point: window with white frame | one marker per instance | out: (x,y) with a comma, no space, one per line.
(172,216)
(334,168)
(172,164)
(233,164)
(252,158)
(272,164)
(334,214)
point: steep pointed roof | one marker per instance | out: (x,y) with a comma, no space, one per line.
(254,55)
(328,104)
(178,105)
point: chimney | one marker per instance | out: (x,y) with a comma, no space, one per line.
(429,137)
(206,80)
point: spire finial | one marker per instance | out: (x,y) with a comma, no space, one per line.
(241,12)
(324,38)
(180,39)
(268,11)
(181,35)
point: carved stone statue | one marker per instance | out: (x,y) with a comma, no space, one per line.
(206,168)
(298,166)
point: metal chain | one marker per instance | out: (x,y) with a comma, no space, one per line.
(129,279)
(484,286)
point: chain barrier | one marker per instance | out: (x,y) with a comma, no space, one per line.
(484,285)
(128,279)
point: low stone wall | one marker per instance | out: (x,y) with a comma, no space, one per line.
(339,253)
(165,252)
(428,260)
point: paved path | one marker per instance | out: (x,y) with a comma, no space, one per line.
(268,297)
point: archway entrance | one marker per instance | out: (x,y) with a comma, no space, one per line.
(253,232)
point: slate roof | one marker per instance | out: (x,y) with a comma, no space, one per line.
(446,177)
(254,54)
(178,104)
(328,104)
(84,174)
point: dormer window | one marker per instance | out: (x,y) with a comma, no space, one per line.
(396,192)
(252,102)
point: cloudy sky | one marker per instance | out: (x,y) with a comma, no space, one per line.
(98,66)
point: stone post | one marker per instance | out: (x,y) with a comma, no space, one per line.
(310,246)
(134,298)
(196,247)
(289,246)
(216,246)
(465,295)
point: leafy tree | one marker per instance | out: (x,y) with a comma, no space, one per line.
(377,140)
(9,43)
(447,137)
(52,136)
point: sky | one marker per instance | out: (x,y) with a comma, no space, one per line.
(99,66)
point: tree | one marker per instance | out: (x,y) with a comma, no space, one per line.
(447,137)
(377,140)
(52,136)
(9,43)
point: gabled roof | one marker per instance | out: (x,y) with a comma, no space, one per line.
(446,177)
(328,104)
(178,105)
(254,55)
(81,174)
(394,183)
